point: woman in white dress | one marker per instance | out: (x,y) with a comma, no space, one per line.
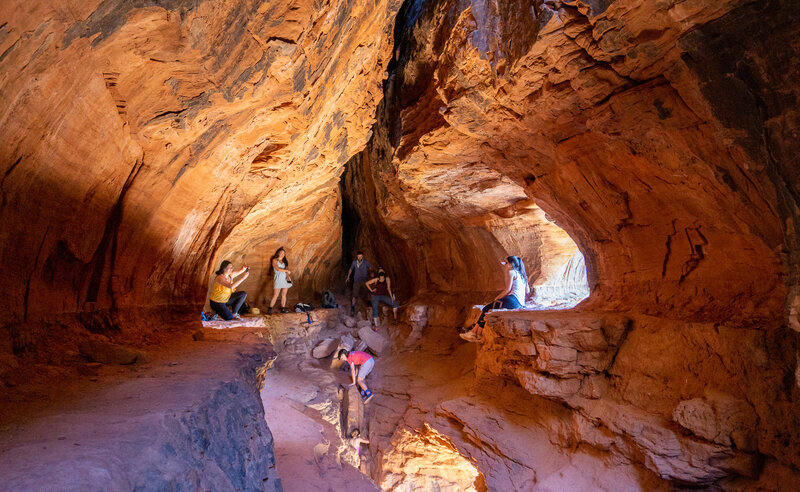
(279,265)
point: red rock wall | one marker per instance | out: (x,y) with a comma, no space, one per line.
(144,142)
(602,118)
(660,136)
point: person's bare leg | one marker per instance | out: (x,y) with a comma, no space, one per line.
(394,311)
(283,297)
(275,294)
(361,384)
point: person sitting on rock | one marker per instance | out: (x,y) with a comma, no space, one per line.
(512,298)
(381,289)
(365,362)
(224,300)
(281,281)
(360,270)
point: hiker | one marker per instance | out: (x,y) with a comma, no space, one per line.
(281,281)
(381,289)
(356,440)
(360,271)
(365,363)
(224,300)
(513,297)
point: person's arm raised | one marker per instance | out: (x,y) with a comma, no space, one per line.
(370,283)
(238,282)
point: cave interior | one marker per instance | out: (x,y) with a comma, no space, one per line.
(640,156)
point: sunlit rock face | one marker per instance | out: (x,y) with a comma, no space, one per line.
(608,117)
(658,135)
(144,142)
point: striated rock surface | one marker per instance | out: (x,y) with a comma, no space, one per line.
(657,135)
(169,424)
(144,142)
(601,117)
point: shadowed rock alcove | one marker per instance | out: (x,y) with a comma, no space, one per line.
(640,156)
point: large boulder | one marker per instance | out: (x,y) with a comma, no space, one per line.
(325,348)
(375,341)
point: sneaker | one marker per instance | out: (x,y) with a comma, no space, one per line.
(237,317)
(269,310)
(367,396)
(284,310)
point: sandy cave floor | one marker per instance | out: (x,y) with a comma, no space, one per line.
(430,383)
(414,386)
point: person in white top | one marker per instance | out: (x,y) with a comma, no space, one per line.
(517,290)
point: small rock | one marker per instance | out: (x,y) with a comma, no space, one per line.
(419,313)
(375,341)
(89,369)
(108,353)
(720,418)
(348,342)
(325,348)
(540,384)
(349,321)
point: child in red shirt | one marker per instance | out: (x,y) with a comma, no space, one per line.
(365,363)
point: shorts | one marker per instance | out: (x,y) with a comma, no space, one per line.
(357,286)
(366,368)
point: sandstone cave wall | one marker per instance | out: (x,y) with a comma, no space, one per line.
(658,135)
(144,142)
(682,203)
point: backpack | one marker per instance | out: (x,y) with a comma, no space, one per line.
(328,301)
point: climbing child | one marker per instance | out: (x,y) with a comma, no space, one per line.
(356,441)
(365,363)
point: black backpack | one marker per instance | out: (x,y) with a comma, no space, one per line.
(328,301)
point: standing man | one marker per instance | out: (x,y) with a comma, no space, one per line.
(360,271)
